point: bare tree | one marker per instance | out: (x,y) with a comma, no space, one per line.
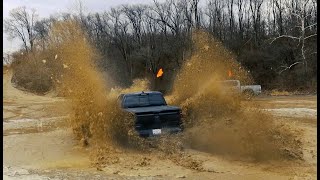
(41,29)
(162,17)
(187,11)
(241,6)
(134,14)
(20,24)
(255,8)
(230,4)
(279,18)
(299,12)
(216,17)
(195,8)
(119,32)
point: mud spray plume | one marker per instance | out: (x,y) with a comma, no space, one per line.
(220,122)
(227,126)
(96,119)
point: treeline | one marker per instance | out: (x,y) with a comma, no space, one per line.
(275,40)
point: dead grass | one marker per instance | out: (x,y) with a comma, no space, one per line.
(280,93)
(32,75)
(277,92)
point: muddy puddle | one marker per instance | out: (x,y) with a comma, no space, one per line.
(54,149)
(27,125)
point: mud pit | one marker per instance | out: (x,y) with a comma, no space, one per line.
(53,152)
(39,142)
(50,151)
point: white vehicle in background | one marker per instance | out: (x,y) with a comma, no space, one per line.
(248,90)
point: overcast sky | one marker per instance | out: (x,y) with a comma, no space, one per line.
(45,8)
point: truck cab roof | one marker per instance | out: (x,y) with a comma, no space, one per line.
(140,92)
(143,92)
(141,99)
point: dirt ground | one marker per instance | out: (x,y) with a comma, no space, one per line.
(38,145)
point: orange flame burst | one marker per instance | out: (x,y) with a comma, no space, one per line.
(229,73)
(160,73)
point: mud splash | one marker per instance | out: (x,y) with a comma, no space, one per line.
(219,122)
(97,120)
(227,126)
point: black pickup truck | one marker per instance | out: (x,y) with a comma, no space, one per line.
(152,114)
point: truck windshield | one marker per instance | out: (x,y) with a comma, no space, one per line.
(143,100)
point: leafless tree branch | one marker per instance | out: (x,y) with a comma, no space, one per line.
(310,36)
(287,36)
(288,67)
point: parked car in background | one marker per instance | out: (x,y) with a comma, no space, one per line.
(235,87)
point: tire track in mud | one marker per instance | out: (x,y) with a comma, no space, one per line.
(34,125)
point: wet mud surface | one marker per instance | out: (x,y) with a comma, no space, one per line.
(50,151)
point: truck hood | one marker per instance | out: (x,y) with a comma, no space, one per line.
(152,109)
